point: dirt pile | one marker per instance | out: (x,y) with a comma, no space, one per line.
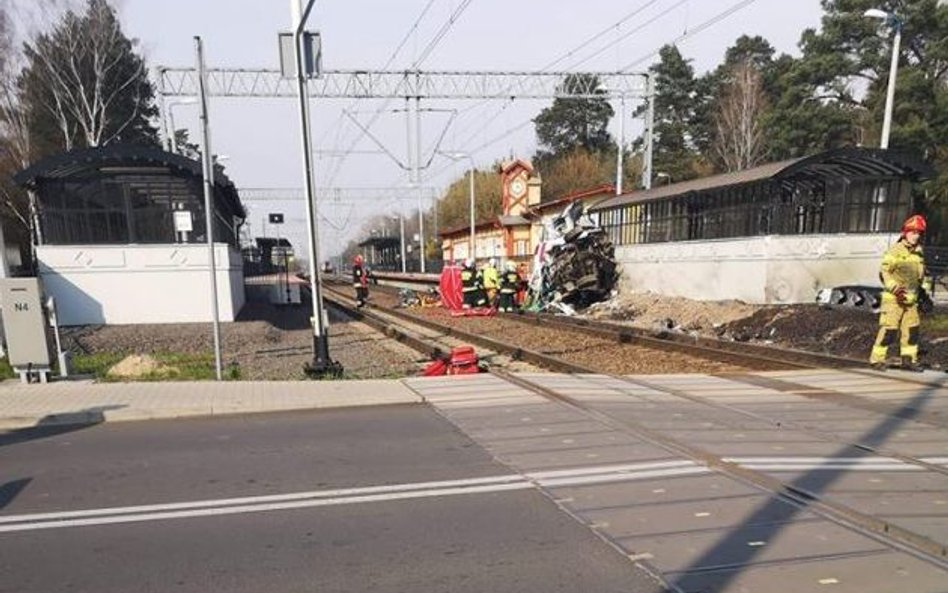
(651,310)
(135,366)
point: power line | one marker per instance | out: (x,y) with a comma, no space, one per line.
(627,34)
(689,34)
(441,33)
(337,165)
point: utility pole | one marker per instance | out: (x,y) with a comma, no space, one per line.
(321,365)
(649,131)
(207,165)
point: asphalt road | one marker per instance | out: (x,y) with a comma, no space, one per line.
(391,499)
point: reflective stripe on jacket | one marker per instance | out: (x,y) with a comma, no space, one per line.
(468,280)
(509,282)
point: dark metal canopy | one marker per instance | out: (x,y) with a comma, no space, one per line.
(381,242)
(841,163)
(84,161)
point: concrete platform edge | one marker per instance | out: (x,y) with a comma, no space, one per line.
(56,404)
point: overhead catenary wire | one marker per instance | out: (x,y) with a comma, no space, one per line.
(335,166)
(684,36)
(426,52)
(691,33)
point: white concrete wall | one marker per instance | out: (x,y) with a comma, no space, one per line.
(120,284)
(772,269)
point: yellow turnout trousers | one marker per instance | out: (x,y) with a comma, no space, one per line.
(896,319)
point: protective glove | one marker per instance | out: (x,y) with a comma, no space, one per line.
(901,295)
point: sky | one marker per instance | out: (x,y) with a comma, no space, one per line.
(260,137)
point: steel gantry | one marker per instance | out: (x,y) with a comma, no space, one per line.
(418,85)
(413,84)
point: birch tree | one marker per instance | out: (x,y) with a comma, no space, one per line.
(739,120)
(85,82)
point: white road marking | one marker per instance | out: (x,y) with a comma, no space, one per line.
(297,500)
(543,479)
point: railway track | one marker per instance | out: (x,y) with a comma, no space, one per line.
(797,444)
(737,354)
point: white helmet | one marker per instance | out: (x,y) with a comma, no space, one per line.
(469,263)
(511,266)
(492,262)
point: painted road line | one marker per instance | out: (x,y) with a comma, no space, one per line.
(258,508)
(297,500)
(271,498)
(509,482)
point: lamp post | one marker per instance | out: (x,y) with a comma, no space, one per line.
(663,175)
(456,156)
(895,23)
(401,236)
(172,136)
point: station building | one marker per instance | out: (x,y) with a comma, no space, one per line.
(121,237)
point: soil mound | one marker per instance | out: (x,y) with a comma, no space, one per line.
(136,365)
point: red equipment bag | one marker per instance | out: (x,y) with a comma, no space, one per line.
(463,361)
(435,368)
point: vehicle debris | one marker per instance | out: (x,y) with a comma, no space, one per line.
(576,267)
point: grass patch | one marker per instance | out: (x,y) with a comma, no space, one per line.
(6,371)
(174,367)
(94,364)
(936,323)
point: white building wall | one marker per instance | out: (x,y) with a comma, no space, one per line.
(128,284)
(771,269)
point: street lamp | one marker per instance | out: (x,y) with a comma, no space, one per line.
(172,137)
(401,235)
(456,156)
(620,148)
(895,23)
(663,175)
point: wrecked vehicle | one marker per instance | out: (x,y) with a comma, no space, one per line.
(575,268)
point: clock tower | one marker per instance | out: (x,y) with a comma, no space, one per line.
(519,183)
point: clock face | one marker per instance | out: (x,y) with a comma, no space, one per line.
(518,187)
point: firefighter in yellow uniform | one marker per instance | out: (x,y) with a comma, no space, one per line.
(903,277)
(491,280)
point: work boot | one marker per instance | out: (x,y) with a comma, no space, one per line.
(878,366)
(911,365)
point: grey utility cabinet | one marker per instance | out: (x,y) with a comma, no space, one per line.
(25,327)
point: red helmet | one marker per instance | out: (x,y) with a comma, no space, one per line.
(357,260)
(914,223)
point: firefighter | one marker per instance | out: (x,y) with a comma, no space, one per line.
(491,280)
(509,285)
(360,280)
(471,285)
(903,278)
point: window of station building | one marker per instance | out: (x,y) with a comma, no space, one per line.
(82,212)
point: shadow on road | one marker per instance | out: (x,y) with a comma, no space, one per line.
(48,426)
(53,425)
(728,557)
(11,490)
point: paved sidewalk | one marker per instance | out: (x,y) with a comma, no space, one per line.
(84,402)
